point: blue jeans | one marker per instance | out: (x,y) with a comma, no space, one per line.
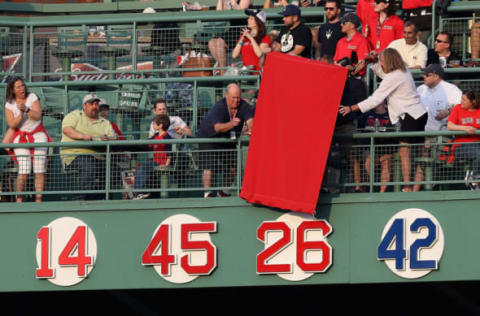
(470,152)
(143,174)
(89,168)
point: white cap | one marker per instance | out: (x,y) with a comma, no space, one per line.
(149,10)
(258,14)
(89,98)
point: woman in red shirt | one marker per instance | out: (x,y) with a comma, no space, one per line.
(384,26)
(254,42)
(466,117)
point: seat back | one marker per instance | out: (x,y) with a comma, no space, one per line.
(72,37)
(119,35)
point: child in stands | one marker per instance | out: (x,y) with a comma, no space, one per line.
(161,155)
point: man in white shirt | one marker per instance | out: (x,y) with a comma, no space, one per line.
(438,96)
(413,52)
(177,126)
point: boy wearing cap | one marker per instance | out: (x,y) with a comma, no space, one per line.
(85,125)
(296,37)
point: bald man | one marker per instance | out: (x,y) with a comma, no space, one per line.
(226,119)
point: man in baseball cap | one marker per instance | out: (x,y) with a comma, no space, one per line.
(86,125)
(295,38)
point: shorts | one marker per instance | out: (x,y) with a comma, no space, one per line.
(409,124)
(39,156)
(217,157)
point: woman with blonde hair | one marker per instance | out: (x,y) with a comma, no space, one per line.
(404,106)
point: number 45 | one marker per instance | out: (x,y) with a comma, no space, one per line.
(396,235)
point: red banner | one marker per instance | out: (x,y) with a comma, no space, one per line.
(293,126)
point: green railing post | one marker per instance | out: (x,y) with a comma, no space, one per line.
(32,40)
(25,51)
(372,163)
(107,171)
(239,165)
(195,105)
(134,46)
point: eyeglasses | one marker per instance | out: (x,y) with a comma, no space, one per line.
(440,41)
(329,9)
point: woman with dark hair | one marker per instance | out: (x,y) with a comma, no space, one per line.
(24,117)
(254,42)
(384,26)
(466,117)
(404,106)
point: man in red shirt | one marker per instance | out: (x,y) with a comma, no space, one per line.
(353,42)
(384,26)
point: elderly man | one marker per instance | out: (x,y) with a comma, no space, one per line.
(413,52)
(296,37)
(85,125)
(226,119)
(177,126)
(442,53)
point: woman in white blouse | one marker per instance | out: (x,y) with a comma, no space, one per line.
(24,117)
(404,106)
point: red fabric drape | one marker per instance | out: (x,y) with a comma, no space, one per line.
(293,126)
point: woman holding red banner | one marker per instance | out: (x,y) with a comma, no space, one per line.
(24,116)
(404,106)
(254,42)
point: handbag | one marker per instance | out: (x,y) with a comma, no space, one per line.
(202,61)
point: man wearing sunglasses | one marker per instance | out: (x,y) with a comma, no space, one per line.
(353,42)
(442,53)
(329,33)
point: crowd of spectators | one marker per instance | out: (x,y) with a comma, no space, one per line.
(373,37)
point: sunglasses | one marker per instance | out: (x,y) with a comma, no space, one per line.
(439,41)
(330,9)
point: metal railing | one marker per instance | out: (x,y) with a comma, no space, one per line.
(364,162)
(123,46)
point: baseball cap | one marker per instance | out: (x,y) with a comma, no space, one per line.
(89,98)
(351,17)
(385,1)
(103,105)
(258,14)
(290,10)
(434,69)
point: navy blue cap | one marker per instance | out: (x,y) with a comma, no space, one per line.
(290,10)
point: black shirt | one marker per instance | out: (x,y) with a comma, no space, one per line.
(220,114)
(433,58)
(328,36)
(301,35)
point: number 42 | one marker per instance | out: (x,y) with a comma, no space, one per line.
(396,235)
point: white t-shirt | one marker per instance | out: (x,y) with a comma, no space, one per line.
(175,121)
(412,55)
(441,97)
(27,124)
